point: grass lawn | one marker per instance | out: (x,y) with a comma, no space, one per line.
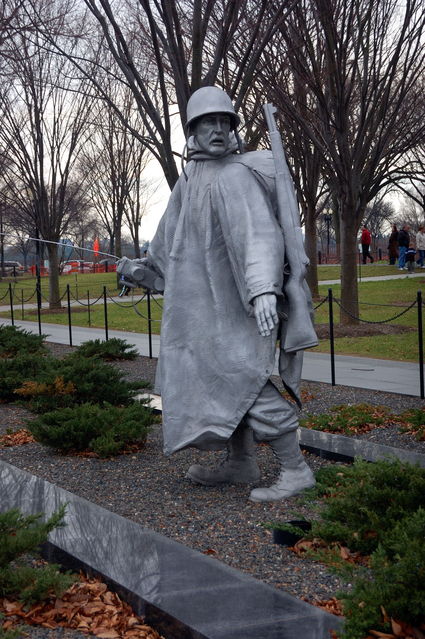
(379,301)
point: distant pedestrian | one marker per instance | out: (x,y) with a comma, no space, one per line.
(366,241)
(410,258)
(393,245)
(420,246)
(403,245)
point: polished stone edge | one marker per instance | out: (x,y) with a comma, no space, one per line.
(337,447)
(344,448)
(181,592)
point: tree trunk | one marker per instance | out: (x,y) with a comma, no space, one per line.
(311,250)
(136,241)
(117,234)
(54,295)
(349,311)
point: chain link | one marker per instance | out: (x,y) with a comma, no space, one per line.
(321,303)
(390,319)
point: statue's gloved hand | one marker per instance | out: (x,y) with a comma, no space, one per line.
(141,273)
(265,311)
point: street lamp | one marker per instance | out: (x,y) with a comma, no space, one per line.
(328,219)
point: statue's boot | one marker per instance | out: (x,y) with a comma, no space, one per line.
(239,466)
(294,477)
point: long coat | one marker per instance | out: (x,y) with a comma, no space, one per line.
(218,246)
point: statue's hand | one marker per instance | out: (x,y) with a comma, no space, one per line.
(266,313)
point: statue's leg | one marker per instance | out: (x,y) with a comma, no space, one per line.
(239,466)
(274,420)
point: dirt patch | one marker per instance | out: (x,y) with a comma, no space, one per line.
(59,311)
(361,330)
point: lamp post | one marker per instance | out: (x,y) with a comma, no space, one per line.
(328,218)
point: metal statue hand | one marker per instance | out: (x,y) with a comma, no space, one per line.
(266,313)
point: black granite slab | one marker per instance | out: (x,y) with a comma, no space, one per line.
(335,446)
(183,593)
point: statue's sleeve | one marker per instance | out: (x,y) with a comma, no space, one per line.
(161,243)
(252,234)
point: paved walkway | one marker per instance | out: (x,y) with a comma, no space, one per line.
(376,278)
(360,372)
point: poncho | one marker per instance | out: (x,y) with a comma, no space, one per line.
(218,246)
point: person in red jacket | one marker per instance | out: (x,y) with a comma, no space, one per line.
(366,241)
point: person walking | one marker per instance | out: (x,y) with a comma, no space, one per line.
(366,241)
(393,245)
(403,244)
(420,246)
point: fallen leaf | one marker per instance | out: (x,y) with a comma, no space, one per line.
(104,633)
(397,628)
(18,438)
(344,552)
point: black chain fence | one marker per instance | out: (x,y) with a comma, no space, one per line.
(106,297)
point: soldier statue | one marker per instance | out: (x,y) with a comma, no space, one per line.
(221,260)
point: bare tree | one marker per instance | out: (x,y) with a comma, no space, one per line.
(379,215)
(112,166)
(413,184)
(163,50)
(44,116)
(360,63)
(411,213)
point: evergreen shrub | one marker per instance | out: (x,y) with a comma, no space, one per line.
(78,380)
(413,421)
(113,349)
(20,369)
(364,501)
(106,429)
(20,535)
(348,419)
(394,586)
(14,340)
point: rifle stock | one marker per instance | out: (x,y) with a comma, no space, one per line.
(300,333)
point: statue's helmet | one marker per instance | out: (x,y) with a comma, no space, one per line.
(210,100)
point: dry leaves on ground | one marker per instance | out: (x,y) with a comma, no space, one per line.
(18,438)
(305,396)
(400,630)
(305,545)
(87,606)
(332,605)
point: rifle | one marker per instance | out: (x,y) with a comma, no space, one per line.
(300,333)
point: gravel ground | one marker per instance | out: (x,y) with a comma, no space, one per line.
(151,489)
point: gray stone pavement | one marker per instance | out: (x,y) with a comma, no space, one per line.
(360,372)
(394,276)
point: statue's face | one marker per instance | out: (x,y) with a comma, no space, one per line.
(212,133)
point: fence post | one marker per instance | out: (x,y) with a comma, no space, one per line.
(421,345)
(11,304)
(148,297)
(331,335)
(105,311)
(319,256)
(22,303)
(38,292)
(88,307)
(68,297)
